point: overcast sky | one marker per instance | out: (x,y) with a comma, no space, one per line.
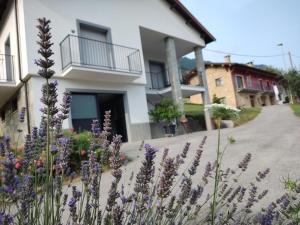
(252,27)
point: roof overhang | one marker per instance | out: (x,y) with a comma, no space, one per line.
(192,20)
(175,4)
(244,67)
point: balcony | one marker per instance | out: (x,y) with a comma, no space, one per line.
(255,89)
(160,85)
(7,81)
(89,59)
(248,89)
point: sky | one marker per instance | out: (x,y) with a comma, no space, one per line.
(251,27)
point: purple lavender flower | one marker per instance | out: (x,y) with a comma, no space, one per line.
(54,149)
(193,168)
(28,152)
(85,172)
(207,173)
(6,218)
(145,175)
(185,150)
(115,160)
(167,178)
(64,145)
(45,63)
(96,130)
(243,165)
(186,187)
(65,106)
(196,194)
(262,174)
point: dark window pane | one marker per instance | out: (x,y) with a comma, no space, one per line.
(84,107)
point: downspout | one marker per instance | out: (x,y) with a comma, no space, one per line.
(19,64)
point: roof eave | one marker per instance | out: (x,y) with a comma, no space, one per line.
(207,36)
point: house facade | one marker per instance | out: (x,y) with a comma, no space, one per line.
(117,55)
(241,85)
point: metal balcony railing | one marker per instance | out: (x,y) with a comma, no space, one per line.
(85,52)
(6,68)
(161,79)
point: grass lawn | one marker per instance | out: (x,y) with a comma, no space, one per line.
(246,115)
(194,110)
(296,109)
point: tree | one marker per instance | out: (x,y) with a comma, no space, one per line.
(293,79)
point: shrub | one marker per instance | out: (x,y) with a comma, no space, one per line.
(166,111)
(216,99)
(222,111)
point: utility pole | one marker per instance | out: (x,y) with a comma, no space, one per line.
(291,61)
(290,57)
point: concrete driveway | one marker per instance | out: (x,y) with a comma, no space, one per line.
(273,139)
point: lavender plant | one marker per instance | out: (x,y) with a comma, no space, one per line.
(40,189)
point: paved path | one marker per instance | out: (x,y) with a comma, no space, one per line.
(273,139)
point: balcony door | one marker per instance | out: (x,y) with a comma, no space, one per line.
(158,75)
(8,60)
(94,47)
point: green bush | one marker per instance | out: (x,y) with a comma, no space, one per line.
(224,112)
(166,111)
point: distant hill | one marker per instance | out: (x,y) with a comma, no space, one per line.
(187,63)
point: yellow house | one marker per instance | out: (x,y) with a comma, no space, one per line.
(239,85)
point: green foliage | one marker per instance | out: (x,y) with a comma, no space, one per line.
(296,109)
(292,77)
(273,70)
(166,111)
(196,112)
(246,115)
(216,99)
(224,112)
(291,212)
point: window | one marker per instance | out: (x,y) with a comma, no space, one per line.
(84,106)
(219,82)
(261,87)
(239,82)
(268,85)
(249,82)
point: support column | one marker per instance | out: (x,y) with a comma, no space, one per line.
(173,72)
(200,66)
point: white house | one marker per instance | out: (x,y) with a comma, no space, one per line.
(118,54)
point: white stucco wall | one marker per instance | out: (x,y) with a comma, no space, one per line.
(135,102)
(123,18)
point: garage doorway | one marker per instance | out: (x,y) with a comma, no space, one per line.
(252,100)
(89,106)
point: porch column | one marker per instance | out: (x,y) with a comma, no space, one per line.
(200,66)
(173,72)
